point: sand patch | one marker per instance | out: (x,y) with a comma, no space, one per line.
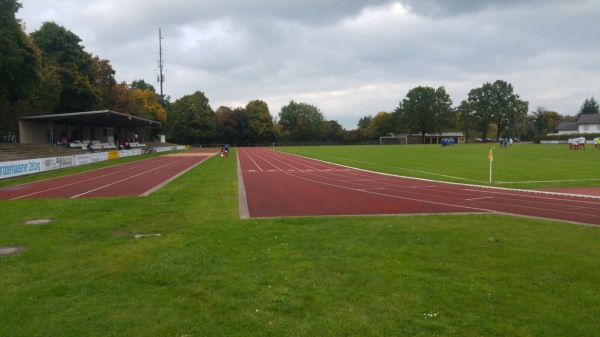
(37,221)
(9,250)
(138,236)
(191,154)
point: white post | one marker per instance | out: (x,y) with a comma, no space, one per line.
(491,156)
(491,160)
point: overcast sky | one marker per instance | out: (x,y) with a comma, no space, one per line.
(349,58)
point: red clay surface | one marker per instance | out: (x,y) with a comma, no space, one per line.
(280,184)
(133,179)
(591,191)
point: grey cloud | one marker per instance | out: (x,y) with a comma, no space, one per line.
(449,8)
(350,58)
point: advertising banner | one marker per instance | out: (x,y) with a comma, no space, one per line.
(169,148)
(113,154)
(19,168)
(131,152)
(82,159)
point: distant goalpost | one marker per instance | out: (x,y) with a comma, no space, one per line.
(393,140)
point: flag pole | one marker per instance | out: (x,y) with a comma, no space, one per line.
(491,156)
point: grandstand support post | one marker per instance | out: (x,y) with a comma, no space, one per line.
(50,131)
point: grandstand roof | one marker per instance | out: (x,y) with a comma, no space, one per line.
(103,118)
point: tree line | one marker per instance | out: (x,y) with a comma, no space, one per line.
(49,71)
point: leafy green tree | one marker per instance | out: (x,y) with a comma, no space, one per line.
(240,117)
(19,67)
(142,85)
(382,124)
(303,122)
(426,110)
(226,125)
(333,130)
(545,121)
(465,115)
(351,136)
(589,106)
(506,107)
(494,106)
(147,106)
(365,122)
(364,131)
(76,69)
(19,58)
(260,122)
(123,98)
(193,119)
(478,104)
(105,81)
(47,94)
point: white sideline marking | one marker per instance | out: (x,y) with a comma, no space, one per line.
(127,168)
(119,181)
(542,181)
(479,198)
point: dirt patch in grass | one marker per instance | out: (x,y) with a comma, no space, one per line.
(9,250)
(38,221)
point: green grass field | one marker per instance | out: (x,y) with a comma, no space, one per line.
(211,274)
(527,166)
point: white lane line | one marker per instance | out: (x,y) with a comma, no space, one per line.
(494,190)
(159,186)
(119,181)
(395,167)
(128,168)
(247,155)
(386,194)
(243,200)
(471,199)
(271,163)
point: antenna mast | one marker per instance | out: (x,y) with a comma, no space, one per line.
(161,77)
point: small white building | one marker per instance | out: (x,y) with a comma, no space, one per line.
(587,123)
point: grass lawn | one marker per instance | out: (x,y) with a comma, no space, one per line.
(528,166)
(211,274)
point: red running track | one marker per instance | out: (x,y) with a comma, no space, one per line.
(280,184)
(132,179)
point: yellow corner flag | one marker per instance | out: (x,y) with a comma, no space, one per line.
(490,155)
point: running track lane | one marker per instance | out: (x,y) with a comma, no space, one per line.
(132,179)
(280,184)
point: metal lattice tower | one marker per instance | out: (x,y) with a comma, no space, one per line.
(161,76)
